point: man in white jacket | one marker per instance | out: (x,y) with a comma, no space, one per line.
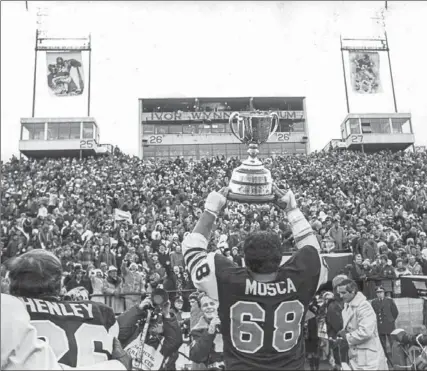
(22,349)
(360,331)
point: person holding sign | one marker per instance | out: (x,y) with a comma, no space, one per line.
(150,332)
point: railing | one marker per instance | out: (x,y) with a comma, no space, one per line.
(108,298)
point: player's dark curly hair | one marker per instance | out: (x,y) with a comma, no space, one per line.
(262,252)
(36,274)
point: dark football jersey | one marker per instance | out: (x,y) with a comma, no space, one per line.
(80,333)
(261,323)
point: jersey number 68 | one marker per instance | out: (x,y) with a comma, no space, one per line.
(248,336)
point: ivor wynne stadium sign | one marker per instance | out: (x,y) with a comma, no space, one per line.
(204,115)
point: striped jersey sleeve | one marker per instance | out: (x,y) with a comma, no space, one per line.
(200,264)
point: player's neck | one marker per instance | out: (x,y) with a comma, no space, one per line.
(263,277)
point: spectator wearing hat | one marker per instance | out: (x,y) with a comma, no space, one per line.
(132,283)
(113,288)
(78,279)
(386,311)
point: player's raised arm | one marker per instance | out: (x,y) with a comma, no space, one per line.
(200,264)
(301,229)
(305,239)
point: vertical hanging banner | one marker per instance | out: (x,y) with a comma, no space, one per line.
(65,76)
(365,72)
(368,76)
(62,76)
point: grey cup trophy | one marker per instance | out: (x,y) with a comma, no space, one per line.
(251,182)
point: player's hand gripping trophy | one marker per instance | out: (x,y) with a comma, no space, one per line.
(251,182)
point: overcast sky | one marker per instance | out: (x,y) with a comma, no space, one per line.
(178,49)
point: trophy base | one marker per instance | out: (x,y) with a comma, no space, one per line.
(250,199)
(251,182)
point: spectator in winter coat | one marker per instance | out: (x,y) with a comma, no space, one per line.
(113,288)
(356,272)
(236,257)
(5,283)
(85,256)
(106,256)
(333,318)
(67,260)
(78,279)
(163,339)
(195,311)
(132,283)
(360,330)
(400,271)
(369,250)
(97,281)
(176,257)
(12,247)
(207,344)
(387,274)
(413,266)
(338,235)
(387,312)
(164,255)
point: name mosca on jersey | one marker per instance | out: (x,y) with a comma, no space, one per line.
(83,310)
(269,289)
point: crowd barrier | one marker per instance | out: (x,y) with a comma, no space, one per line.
(403,287)
(109,298)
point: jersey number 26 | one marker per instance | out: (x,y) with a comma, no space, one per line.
(91,344)
(248,336)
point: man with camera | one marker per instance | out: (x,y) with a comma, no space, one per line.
(150,333)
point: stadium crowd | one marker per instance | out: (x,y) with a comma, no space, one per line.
(374,205)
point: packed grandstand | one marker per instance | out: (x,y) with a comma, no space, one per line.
(117,222)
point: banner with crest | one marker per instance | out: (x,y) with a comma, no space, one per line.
(365,72)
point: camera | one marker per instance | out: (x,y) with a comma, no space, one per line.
(159,298)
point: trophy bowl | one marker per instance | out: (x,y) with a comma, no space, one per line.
(251,182)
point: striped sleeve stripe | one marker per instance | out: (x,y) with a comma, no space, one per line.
(191,257)
(191,250)
(196,260)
